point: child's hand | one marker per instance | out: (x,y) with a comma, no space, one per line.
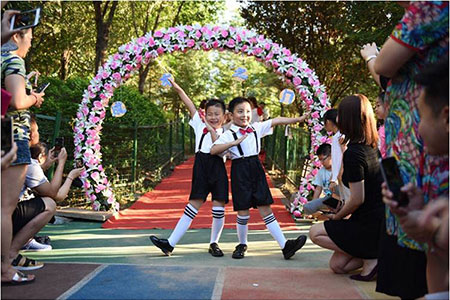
(302,118)
(76,172)
(171,79)
(239,140)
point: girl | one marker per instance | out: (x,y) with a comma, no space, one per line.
(248,181)
(381,109)
(14,81)
(208,176)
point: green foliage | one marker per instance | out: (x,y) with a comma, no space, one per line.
(328,35)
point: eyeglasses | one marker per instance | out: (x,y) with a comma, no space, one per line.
(324,158)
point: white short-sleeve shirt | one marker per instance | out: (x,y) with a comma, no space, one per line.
(35,176)
(250,146)
(197,124)
(323,179)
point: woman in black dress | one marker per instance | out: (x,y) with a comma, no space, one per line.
(355,239)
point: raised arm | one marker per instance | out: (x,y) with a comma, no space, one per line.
(392,57)
(64,189)
(285,121)
(189,104)
(369,53)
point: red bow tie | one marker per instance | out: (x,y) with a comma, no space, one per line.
(205,130)
(247,130)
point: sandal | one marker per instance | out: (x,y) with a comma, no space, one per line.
(25,264)
(19,278)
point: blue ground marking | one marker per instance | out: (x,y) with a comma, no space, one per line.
(150,282)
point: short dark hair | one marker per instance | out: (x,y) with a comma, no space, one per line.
(203,104)
(324,149)
(356,120)
(215,102)
(330,115)
(37,150)
(253,101)
(382,97)
(434,78)
(237,101)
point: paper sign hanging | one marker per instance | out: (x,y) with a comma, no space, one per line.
(118,109)
(165,79)
(287,96)
(240,74)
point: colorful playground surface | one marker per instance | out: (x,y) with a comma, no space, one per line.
(92,262)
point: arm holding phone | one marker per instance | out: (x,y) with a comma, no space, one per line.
(15,84)
(64,189)
(51,189)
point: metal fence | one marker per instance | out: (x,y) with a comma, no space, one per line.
(134,158)
(288,150)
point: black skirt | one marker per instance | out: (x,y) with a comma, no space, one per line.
(249,185)
(209,176)
(401,271)
(358,237)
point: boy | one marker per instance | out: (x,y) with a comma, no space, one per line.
(321,181)
(248,181)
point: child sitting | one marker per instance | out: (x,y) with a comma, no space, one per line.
(248,181)
(321,181)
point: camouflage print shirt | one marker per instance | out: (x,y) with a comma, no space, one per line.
(13,64)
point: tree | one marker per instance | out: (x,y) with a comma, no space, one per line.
(103,21)
(327,35)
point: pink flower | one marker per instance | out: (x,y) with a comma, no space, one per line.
(95,176)
(93,197)
(100,188)
(257,51)
(303,200)
(166,37)
(116,56)
(114,65)
(110,200)
(244,48)
(323,99)
(100,168)
(238,38)
(85,110)
(160,50)
(109,87)
(151,42)
(267,46)
(128,67)
(314,172)
(116,76)
(215,44)
(158,34)
(95,205)
(176,47)
(189,27)
(315,115)
(269,56)
(317,127)
(289,59)
(275,64)
(86,184)
(94,119)
(323,139)
(141,40)
(138,59)
(198,34)
(105,75)
(309,101)
(224,33)
(190,43)
(79,115)
(297,80)
(231,43)
(286,52)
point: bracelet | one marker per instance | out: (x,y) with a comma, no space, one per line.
(69,178)
(370,58)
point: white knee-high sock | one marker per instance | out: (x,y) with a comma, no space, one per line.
(242,228)
(183,224)
(218,214)
(275,230)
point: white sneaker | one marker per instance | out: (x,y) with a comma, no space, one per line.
(33,245)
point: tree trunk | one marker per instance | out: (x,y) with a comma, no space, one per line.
(103,28)
(65,59)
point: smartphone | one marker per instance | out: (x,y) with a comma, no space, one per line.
(78,163)
(331,202)
(7,134)
(42,87)
(59,144)
(26,19)
(393,179)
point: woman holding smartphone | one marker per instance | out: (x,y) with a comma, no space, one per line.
(13,80)
(355,240)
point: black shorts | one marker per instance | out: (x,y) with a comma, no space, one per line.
(249,186)
(26,211)
(209,176)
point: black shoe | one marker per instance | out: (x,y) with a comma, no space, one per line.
(162,244)
(239,251)
(215,250)
(43,239)
(293,246)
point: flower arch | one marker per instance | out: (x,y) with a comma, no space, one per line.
(122,65)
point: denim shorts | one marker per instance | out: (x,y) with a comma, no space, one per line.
(23,153)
